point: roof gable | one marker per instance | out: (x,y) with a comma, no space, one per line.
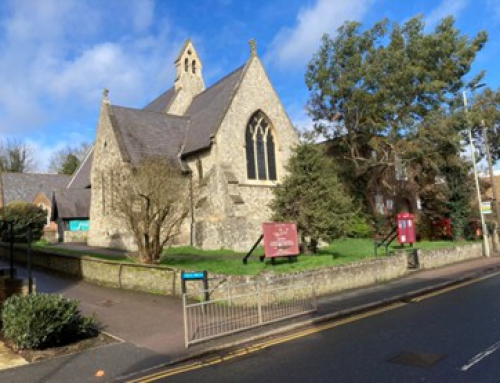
(208,109)
(146,133)
(25,187)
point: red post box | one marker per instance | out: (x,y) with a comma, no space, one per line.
(406,228)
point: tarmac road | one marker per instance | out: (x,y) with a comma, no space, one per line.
(453,336)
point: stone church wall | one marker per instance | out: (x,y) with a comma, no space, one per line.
(105,229)
(229,208)
(238,206)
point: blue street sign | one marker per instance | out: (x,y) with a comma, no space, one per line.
(193,275)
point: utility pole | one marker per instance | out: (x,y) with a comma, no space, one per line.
(486,245)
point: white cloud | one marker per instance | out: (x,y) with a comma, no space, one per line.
(57,56)
(446,8)
(293,47)
(143,14)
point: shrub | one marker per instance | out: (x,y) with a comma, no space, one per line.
(43,320)
(359,228)
(23,215)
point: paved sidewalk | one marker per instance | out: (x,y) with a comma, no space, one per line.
(152,326)
(8,358)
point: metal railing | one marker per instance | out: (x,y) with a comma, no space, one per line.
(235,308)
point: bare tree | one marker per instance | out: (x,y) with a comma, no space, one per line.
(67,159)
(16,157)
(152,199)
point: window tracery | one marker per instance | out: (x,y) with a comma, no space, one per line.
(260,148)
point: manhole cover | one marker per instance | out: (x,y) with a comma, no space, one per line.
(417,359)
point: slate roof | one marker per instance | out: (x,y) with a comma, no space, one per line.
(208,109)
(145,133)
(25,186)
(71,203)
(81,178)
(150,131)
(161,103)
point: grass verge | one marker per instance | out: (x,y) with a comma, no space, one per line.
(229,262)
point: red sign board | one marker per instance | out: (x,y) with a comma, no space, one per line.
(280,239)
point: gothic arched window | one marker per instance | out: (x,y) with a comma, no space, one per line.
(260,149)
(193,65)
(186,65)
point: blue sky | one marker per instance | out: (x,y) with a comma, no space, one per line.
(56,56)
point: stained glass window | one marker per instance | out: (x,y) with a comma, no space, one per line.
(260,149)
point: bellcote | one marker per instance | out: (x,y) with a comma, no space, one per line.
(189,69)
(189,81)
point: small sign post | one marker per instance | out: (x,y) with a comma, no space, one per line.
(486,207)
(195,276)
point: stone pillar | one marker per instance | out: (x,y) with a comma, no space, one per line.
(9,287)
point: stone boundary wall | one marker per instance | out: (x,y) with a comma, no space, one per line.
(442,257)
(75,236)
(156,279)
(327,280)
(165,280)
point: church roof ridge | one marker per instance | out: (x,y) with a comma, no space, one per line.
(150,111)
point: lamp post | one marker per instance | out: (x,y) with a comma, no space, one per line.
(486,245)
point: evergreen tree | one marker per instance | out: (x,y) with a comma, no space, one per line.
(373,92)
(313,196)
(67,159)
(70,164)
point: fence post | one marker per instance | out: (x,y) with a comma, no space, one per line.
(259,303)
(186,331)
(313,291)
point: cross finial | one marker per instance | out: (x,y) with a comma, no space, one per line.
(253,46)
(105,94)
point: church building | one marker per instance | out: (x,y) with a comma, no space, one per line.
(235,138)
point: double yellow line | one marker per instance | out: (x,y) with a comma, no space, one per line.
(266,344)
(261,346)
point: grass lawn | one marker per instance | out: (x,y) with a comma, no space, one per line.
(228,262)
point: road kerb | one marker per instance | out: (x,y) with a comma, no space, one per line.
(337,315)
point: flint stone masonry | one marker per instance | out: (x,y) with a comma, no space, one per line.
(165,280)
(75,236)
(229,208)
(442,257)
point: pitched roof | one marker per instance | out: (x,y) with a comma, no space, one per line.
(146,133)
(71,203)
(25,187)
(208,109)
(161,103)
(81,178)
